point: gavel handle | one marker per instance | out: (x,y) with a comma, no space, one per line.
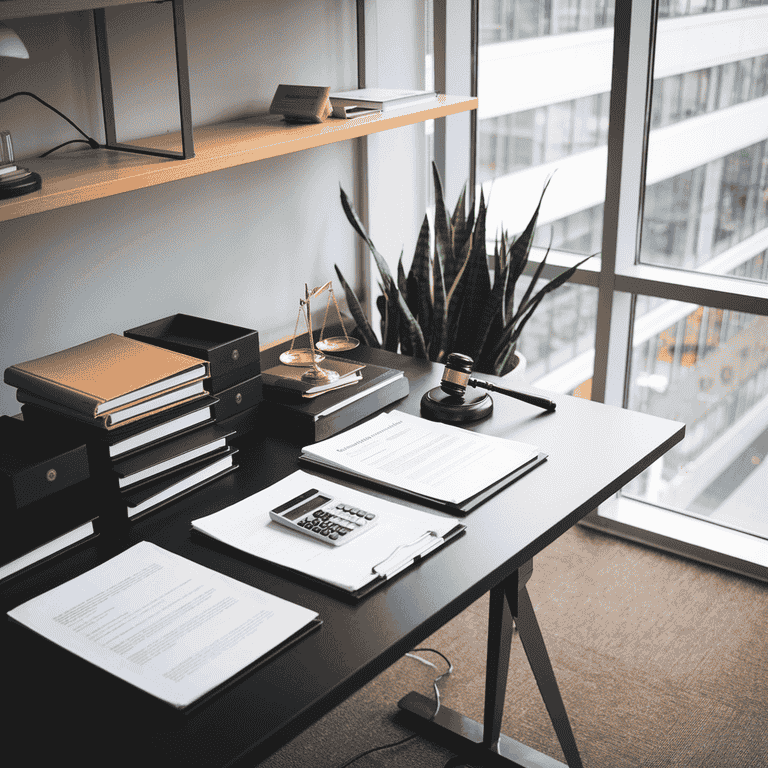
(541,402)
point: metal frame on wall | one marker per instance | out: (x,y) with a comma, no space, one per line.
(182,77)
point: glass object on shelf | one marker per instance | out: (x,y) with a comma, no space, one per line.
(708,368)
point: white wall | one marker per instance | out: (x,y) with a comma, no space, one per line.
(235,245)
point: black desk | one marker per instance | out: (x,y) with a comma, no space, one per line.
(62,706)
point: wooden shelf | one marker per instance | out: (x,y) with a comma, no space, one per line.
(78,176)
(20,9)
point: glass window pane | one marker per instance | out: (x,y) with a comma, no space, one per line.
(706,202)
(708,368)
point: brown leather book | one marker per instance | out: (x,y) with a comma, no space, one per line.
(106,374)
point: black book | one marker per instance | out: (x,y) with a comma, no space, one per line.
(107,445)
(308,420)
(160,460)
(151,495)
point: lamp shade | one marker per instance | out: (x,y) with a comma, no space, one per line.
(10,44)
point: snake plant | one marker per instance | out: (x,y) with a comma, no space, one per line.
(455,299)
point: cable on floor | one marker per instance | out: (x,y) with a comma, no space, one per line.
(434,714)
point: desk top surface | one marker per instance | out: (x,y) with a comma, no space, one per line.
(63,705)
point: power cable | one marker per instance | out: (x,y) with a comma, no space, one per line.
(92,143)
(434,714)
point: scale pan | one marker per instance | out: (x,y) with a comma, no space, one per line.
(337,344)
(300,357)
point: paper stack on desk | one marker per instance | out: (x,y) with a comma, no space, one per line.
(438,463)
(397,541)
(165,624)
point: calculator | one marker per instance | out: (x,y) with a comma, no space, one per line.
(324,518)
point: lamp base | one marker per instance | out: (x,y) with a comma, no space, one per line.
(437,405)
(19,182)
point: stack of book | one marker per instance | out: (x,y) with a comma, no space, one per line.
(142,412)
(43,484)
(234,357)
(307,412)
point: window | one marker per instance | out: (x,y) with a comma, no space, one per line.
(678,327)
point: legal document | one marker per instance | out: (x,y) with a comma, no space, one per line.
(167,625)
(428,459)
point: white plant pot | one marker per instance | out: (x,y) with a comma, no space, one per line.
(518,372)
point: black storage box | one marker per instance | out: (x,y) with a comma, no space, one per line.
(244,395)
(242,422)
(232,351)
(35,463)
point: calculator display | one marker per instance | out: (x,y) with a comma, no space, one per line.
(324,518)
(307,506)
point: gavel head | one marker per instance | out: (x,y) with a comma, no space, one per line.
(458,369)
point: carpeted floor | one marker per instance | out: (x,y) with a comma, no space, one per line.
(660,661)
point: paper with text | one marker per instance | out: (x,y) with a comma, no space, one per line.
(433,460)
(167,625)
(247,526)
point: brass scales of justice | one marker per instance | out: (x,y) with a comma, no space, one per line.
(301,357)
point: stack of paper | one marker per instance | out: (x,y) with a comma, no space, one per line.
(400,537)
(166,625)
(425,459)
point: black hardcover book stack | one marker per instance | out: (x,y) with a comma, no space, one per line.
(46,495)
(310,419)
(146,464)
(168,446)
(235,363)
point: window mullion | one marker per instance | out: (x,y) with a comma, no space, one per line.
(634,38)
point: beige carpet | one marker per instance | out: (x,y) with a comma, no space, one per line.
(661,662)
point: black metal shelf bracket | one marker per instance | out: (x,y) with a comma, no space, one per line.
(182,74)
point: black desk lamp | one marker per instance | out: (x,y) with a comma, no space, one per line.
(14,181)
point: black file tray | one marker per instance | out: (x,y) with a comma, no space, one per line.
(311,581)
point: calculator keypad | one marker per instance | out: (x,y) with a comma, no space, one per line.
(336,522)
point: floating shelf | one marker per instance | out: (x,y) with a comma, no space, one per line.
(78,176)
(20,9)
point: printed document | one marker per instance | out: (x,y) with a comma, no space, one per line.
(167,625)
(429,459)
(399,537)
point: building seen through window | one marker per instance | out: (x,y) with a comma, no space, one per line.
(705,210)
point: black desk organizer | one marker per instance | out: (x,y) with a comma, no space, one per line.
(45,493)
(234,357)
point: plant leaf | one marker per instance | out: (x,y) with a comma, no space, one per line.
(456,295)
(459,218)
(519,250)
(436,337)
(354,220)
(443,234)
(475,293)
(410,333)
(418,279)
(361,321)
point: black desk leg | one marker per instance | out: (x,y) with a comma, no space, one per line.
(484,744)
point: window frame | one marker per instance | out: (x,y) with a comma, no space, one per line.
(620,278)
